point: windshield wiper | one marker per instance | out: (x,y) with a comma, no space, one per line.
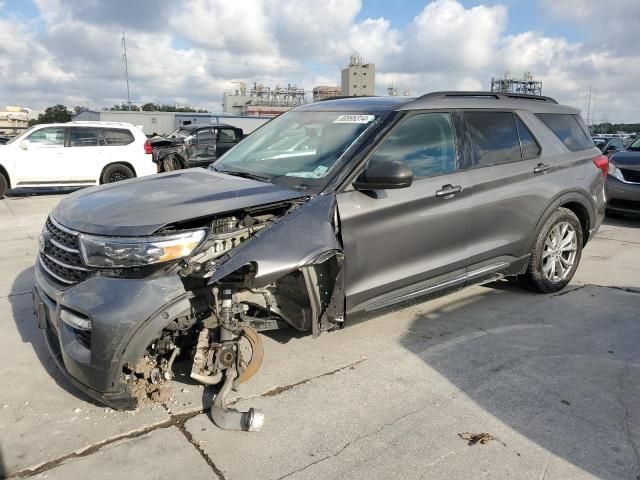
(252,176)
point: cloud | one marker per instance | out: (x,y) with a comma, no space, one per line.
(190,52)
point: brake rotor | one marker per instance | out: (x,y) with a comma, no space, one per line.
(250,341)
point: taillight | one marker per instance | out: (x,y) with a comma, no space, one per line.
(602,163)
(149,150)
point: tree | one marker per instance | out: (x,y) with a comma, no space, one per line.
(56,114)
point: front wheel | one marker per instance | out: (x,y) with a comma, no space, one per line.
(115,173)
(556,253)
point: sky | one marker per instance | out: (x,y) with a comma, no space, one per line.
(190,52)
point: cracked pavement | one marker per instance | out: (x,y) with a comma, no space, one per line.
(555,379)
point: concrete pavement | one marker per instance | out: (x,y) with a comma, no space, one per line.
(553,380)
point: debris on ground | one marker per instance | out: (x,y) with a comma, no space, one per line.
(147,387)
(478,438)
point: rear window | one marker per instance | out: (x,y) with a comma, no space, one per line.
(569,129)
(115,136)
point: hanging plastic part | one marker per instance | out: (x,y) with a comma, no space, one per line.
(229,418)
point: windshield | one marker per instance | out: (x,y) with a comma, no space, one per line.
(635,146)
(298,148)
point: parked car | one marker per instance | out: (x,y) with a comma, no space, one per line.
(4,140)
(623,182)
(609,146)
(74,154)
(402,199)
(194,146)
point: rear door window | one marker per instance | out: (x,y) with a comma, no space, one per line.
(530,147)
(494,138)
(569,129)
(83,137)
(425,142)
(226,135)
(115,137)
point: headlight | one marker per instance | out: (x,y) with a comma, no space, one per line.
(114,252)
(615,171)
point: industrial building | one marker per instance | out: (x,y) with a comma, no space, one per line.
(262,100)
(14,120)
(359,78)
(166,122)
(322,92)
(508,84)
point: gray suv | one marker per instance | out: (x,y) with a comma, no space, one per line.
(385,200)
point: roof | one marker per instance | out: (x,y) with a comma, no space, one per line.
(87,123)
(215,125)
(444,100)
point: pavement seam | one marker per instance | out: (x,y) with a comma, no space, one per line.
(355,440)
(86,451)
(626,420)
(618,240)
(10,209)
(180,423)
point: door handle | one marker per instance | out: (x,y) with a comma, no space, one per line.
(541,168)
(448,191)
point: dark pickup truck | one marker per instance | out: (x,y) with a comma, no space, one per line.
(194,146)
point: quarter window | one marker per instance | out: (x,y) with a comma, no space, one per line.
(115,137)
(83,137)
(494,138)
(425,142)
(50,136)
(530,148)
(569,129)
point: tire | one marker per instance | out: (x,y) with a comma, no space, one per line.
(556,253)
(4,185)
(116,172)
(171,163)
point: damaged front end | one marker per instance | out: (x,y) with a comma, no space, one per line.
(262,268)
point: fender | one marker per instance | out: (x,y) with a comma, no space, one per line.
(164,151)
(296,240)
(573,196)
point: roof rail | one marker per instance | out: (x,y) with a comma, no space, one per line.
(489,95)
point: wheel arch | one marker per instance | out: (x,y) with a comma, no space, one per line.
(576,201)
(125,163)
(5,173)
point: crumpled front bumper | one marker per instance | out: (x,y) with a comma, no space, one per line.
(125,314)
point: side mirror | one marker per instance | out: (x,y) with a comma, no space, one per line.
(384,175)
(611,148)
(24,145)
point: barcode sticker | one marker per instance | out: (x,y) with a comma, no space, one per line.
(355,119)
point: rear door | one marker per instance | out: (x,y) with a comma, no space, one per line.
(398,241)
(205,152)
(512,186)
(84,156)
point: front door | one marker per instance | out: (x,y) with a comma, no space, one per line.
(205,147)
(40,158)
(409,237)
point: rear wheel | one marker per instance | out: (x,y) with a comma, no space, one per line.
(4,185)
(556,253)
(116,172)
(171,163)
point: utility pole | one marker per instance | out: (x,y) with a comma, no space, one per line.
(126,68)
(589,107)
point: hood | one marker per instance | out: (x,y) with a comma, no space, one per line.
(628,159)
(159,142)
(142,206)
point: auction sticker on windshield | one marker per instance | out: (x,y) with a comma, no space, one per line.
(355,119)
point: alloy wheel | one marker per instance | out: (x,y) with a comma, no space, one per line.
(559,252)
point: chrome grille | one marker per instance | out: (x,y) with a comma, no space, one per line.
(60,258)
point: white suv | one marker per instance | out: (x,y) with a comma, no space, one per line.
(75,154)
